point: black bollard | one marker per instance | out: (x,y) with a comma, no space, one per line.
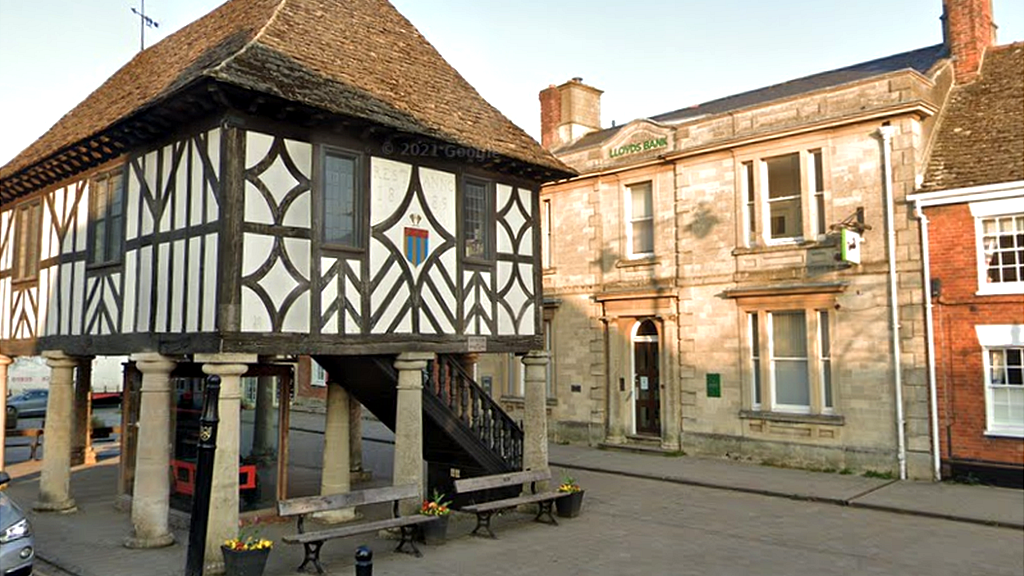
(364,561)
(204,478)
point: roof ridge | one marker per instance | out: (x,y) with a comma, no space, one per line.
(255,39)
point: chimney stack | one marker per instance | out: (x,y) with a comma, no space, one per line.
(967,31)
(567,112)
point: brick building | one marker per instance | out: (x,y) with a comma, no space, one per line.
(743,277)
(971,206)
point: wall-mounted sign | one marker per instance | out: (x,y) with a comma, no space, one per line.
(850,242)
(476,344)
(714,385)
(638,147)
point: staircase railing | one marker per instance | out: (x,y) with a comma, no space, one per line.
(474,408)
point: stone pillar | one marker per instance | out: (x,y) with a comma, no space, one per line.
(671,402)
(55,479)
(5,361)
(81,445)
(535,425)
(223,523)
(613,344)
(408,468)
(355,441)
(264,433)
(335,473)
(152,488)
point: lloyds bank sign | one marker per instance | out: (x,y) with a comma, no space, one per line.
(637,147)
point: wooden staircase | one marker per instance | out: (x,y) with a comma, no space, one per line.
(465,432)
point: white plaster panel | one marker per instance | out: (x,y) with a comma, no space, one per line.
(257,146)
(439,190)
(149,169)
(353,295)
(389,181)
(254,315)
(193,284)
(446,295)
(429,303)
(209,322)
(51,327)
(145,288)
(397,234)
(297,318)
(77,297)
(92,305)
(130,274)
(278,282)
(197,185)
(162,292)
(64,288)
(178,288)
(526,322)
(300,213)
(132,206)
(48,237)
(278,180)
(390,307)
(328,295)
(80,236)
(6,236)
(43,303)
(301,154)
(378,255)
(213,149)
(299,252)
(181,189)
(5,306)
(256,208)
(165,188)
(255,251)
(526,244)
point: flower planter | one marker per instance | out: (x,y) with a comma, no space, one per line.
(244,562)
(435,533)
(569,505)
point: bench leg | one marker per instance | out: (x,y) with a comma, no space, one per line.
(483,520)
(312,555)
(543,509)
(408,534)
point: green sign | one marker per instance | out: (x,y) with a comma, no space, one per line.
(638,147)
(714,382)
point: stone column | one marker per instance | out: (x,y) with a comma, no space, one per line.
(335,473)
(355,441)
(55,479)
(5,361)
(152,488)
(535,425)
(264,434)
(223,523)
(408,468)
(81,445)
(671,403)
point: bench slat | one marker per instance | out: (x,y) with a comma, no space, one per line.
(308,504)
(354,529)
(500,480)
(512,502)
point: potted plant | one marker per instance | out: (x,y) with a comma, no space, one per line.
(568,506)
(434,532)
(246,555)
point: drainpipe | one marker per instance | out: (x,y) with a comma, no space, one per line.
(929,336)
(886,132)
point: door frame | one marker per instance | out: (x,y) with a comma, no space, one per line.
(634,339)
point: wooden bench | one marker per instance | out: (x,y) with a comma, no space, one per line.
(314,540)
(487,508)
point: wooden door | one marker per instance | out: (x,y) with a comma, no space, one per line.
(646,385)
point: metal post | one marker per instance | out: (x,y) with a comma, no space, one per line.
(204,478)
(364,561)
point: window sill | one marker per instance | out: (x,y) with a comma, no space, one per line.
(24,281)
(341,249)
(1008,434)
(100,266)
(549,271)
(637,262)
(823,419)
(1009,288)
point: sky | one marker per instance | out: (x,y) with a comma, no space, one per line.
(648,56)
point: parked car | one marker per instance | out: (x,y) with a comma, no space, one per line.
(28,404)
(17,548)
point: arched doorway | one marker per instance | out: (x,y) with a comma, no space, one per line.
(646,383)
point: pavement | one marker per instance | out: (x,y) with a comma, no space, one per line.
(89,542)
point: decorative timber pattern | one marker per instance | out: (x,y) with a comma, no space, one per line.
(6,260)
(412,250)
(515,286)
(276,252)
(170,262)
(65,213)
(341,296)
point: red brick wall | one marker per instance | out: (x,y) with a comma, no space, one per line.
(959,373)
(550,116)
(969,30)
(303,374)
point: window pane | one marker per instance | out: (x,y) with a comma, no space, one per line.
(340,219)
(791,383)
(784,176)
(819,172)
(643,237)
(789,333)
(641,211)
(643,205)
(1003,242)
(755,353)
(474,216)
(748,198)
(785,218)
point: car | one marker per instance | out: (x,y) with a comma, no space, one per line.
(28,404)
(17,547)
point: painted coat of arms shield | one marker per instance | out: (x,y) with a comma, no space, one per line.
(417,245)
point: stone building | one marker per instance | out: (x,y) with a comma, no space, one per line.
(743,277)
(971,207)
(278,178)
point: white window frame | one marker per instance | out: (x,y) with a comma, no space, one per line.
(814,210)
(317,374)
(772,361)
(981,211)
(998,337)
(628,202)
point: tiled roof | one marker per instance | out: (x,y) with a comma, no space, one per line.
(358,58)
(921,60)
(980,137)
